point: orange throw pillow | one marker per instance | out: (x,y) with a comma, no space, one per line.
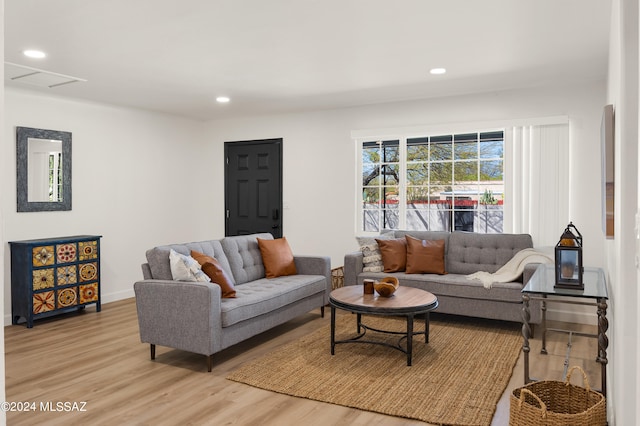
(213,269)
(277,257)
(425,256)
(394,254)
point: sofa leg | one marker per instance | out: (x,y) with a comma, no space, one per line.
(153,351)
(209,363)
(322,311)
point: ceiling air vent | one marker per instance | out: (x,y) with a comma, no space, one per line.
(36,77)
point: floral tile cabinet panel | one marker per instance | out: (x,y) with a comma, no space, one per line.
(54,275)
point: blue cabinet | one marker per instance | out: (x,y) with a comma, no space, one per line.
(51,276)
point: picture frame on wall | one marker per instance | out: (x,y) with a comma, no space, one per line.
(608,170)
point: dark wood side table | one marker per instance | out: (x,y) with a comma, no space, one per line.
(406,301)
(541,287)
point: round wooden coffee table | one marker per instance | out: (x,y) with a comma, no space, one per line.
(406,301)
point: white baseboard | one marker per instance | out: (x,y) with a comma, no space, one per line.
(119,295)
(106,298)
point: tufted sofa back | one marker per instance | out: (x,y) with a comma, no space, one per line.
(239,256)
(244,256)
(158,257)
(470,252)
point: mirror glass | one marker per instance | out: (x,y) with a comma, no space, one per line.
(44,169)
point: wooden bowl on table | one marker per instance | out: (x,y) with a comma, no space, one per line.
(386,286)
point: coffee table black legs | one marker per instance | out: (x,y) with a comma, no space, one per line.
(426,327)
(333,330)
(406,302)
(410,339)
(362,330)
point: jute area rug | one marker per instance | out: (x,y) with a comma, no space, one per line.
(456,379)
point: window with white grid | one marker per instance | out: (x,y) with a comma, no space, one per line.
(433,182)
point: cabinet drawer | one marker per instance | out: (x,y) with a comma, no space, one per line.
(67,274)
(89,293)
(44,302)
(43,256)
(87,250)
(66,297)
(43,278)
(88,271)
(66,253)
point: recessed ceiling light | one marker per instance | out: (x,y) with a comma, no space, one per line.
(437,71)
(222,99)
(35,54)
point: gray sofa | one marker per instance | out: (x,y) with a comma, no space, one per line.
(192,316)
(465,253)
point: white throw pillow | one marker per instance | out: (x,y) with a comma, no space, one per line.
(372,259)
(186,268)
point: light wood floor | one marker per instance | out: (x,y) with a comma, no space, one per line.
(97,358)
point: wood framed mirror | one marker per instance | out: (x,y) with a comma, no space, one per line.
(43,160)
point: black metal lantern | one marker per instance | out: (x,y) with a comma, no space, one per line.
(569,267)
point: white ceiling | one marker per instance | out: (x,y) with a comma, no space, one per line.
(269,56)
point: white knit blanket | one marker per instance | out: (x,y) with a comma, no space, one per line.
(513,268)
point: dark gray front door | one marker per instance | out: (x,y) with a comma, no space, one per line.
(253,187)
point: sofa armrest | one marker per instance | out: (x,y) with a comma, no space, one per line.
(315,265)
(527,273)
(353,265)
(181,315)
(146,271)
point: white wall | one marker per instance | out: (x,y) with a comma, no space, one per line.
(623,251)
(140,179)
(319,157)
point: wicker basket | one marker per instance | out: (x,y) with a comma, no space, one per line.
(337,277)
(552,403)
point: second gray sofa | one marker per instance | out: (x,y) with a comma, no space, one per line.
(192,316)
(465,253)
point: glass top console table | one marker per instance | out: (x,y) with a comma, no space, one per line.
(541,287)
